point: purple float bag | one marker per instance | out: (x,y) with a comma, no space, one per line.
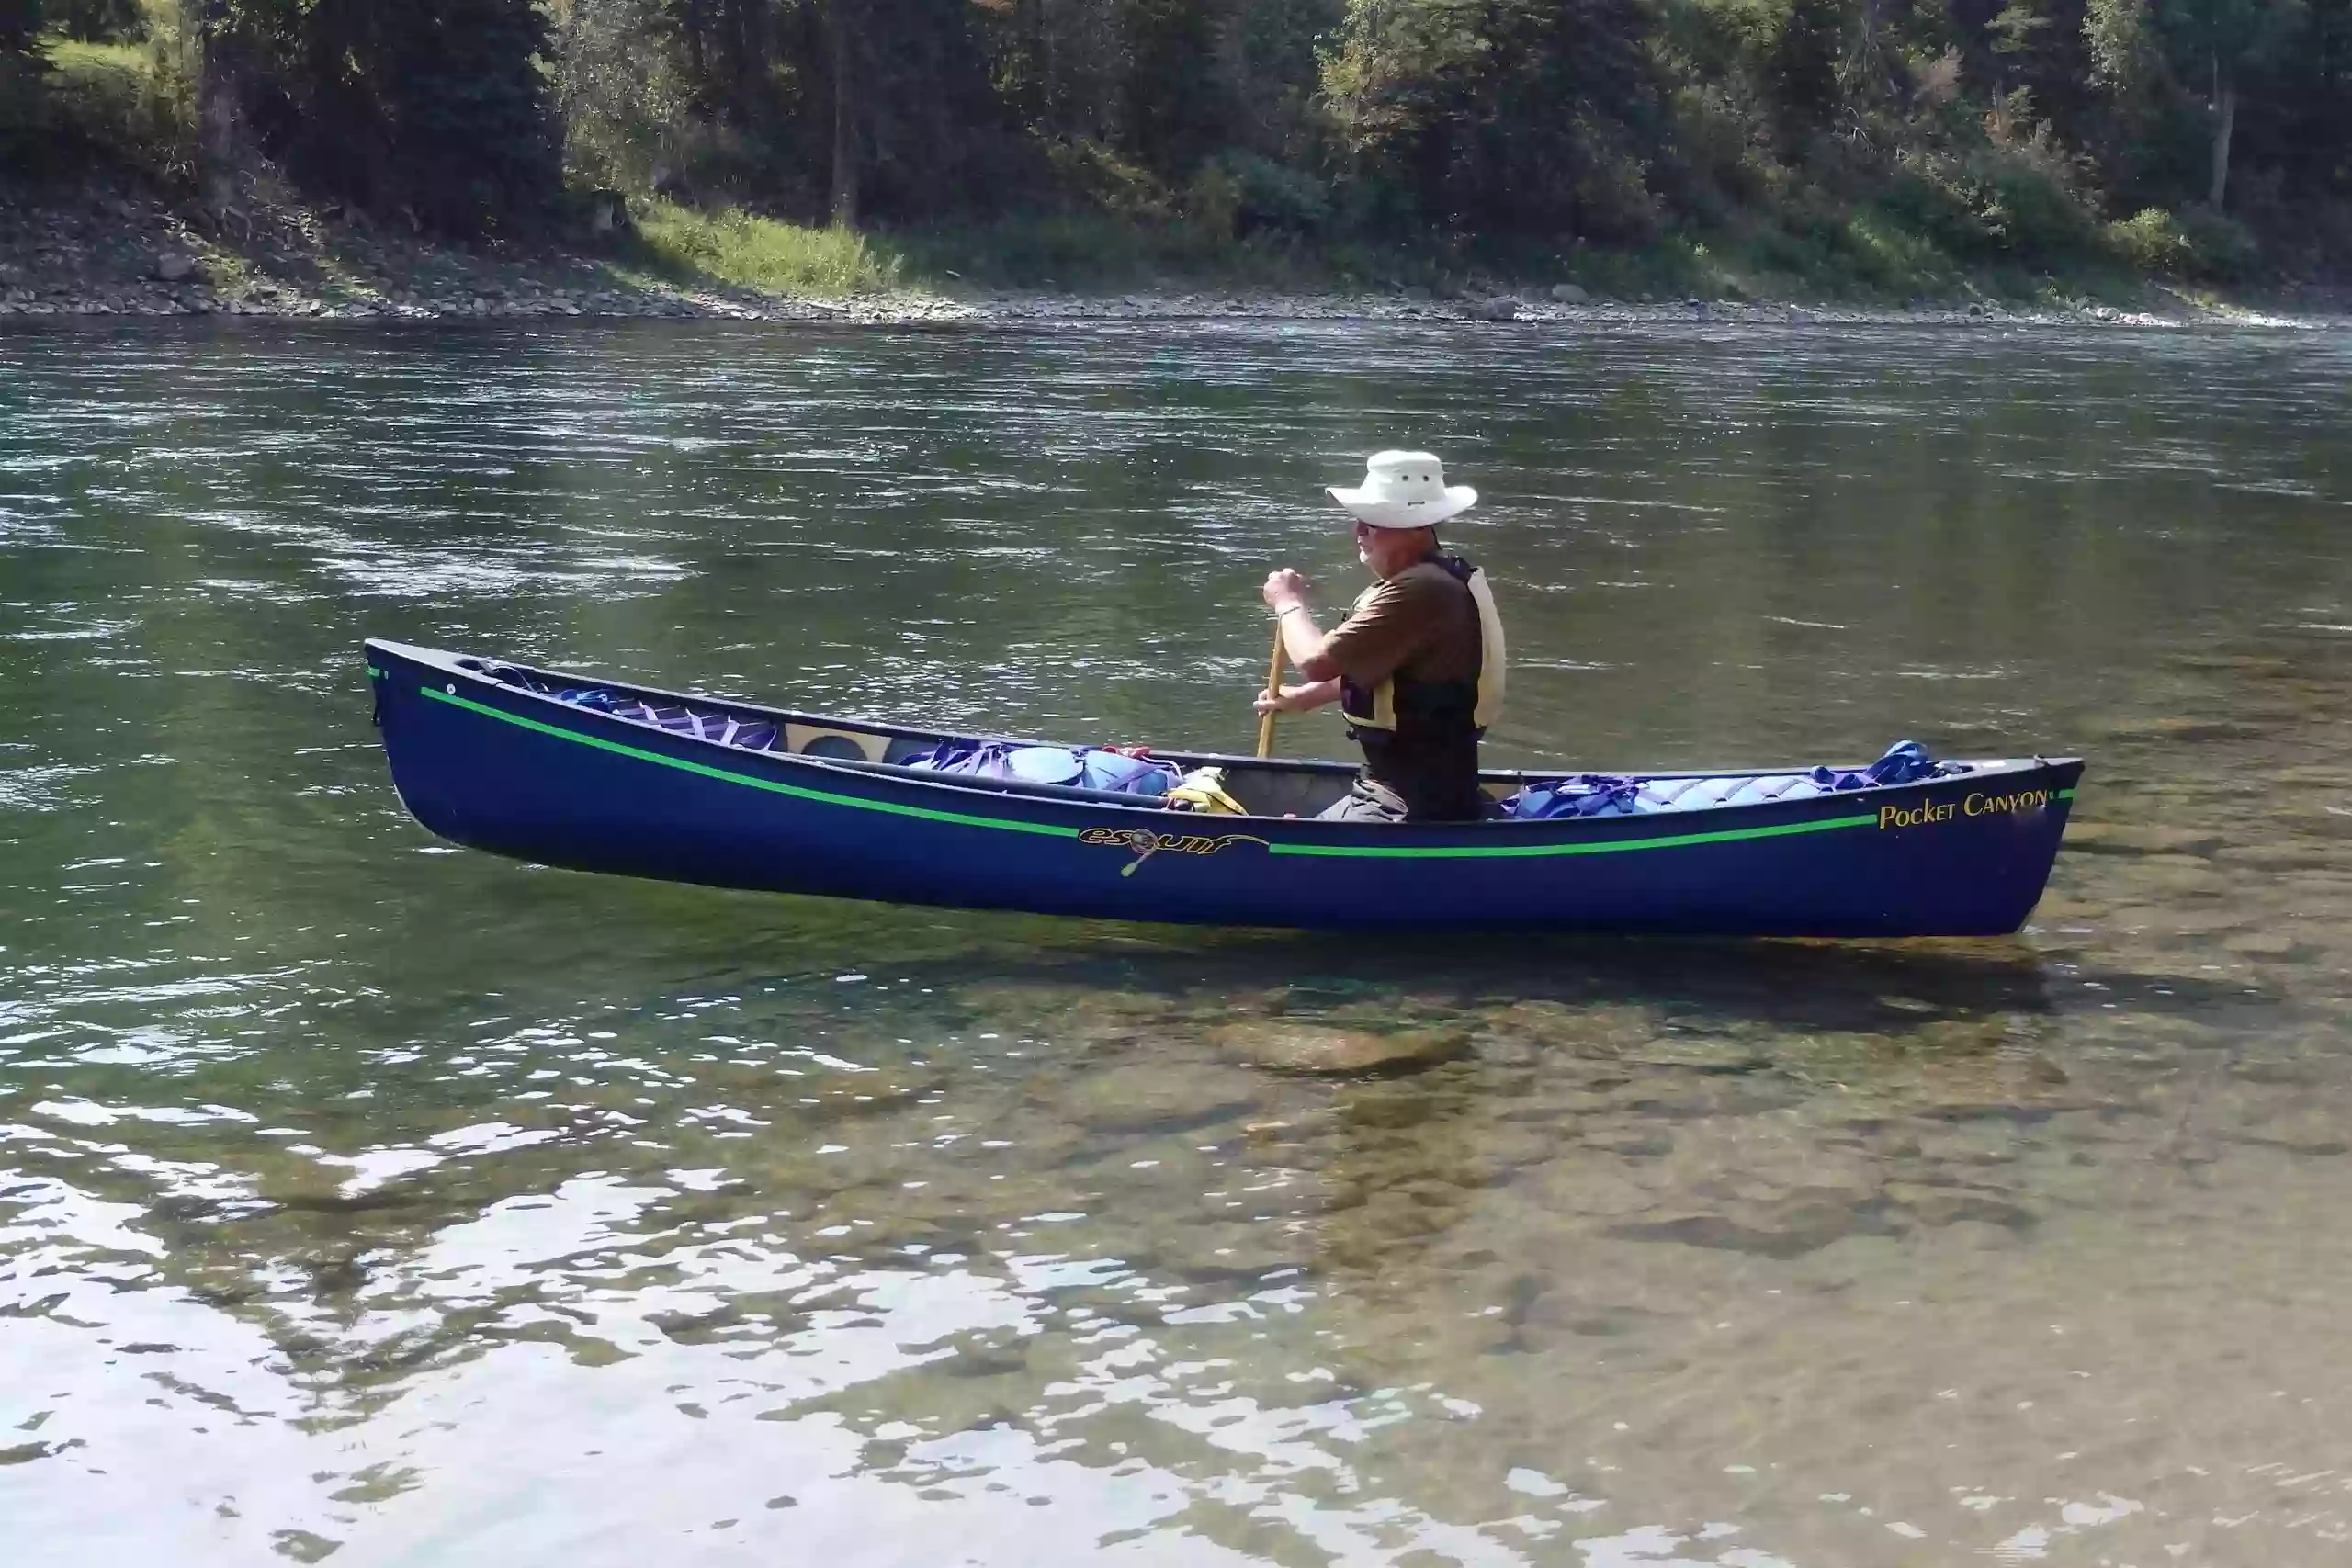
(1093,768)
(751,734)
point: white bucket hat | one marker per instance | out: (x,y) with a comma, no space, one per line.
(1405,490)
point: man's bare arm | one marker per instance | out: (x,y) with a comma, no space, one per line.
(1299,699)
(1285,595)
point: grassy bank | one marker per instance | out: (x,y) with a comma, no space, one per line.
(1078,252)
(1869,258)
(745,251)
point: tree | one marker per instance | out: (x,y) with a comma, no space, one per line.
(2038,54)
(20,25)
(2146,50)
(97,20)
(2308,135)
(472,139)
(1180,104)
(438,107)
(2219,41)
(211,34)
(1275,112)
(620,95)
(841,54)
(22,134)
(1518,116)
(1801,68)
(913,123)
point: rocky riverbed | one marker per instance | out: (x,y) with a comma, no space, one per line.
(106,252)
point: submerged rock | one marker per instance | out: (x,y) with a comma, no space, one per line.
(1147,1096)
(2134,838)
(1286,1047)
(1940,1205)
(1605,1031)
(1784,1230)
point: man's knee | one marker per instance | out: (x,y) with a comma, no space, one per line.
(1366,801)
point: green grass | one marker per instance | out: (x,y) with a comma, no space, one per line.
(102,99)
(72,57)
(1081,253)
(1866,254)
(1089,251)
(98,85)
(759,253)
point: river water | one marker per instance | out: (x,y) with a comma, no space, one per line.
(366,1198)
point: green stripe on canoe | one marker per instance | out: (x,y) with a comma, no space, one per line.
(962,819)
(1611,846)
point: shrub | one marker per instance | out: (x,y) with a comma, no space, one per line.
(1893,258)
(2221,247)
(2013,200)
(1271,195)
(1933,197)
(2026,196)
(2152,242)
(1213,201)
(1098,177)
(2198,243)
(1714,152)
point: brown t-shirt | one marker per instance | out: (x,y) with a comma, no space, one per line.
(1420,622)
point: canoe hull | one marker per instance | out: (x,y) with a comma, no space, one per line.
(483,766)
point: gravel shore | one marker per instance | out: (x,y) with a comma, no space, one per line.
(104,254)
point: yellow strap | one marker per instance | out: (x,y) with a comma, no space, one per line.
(1494,655)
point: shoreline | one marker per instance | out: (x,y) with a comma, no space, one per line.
(104,255)
(1500,311)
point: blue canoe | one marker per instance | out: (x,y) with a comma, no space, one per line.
(487,754)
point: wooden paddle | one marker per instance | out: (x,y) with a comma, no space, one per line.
(1274,689)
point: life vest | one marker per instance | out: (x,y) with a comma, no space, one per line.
(1421,738)
(1402,709)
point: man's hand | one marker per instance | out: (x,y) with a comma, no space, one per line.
(1284,586)
(1297,699)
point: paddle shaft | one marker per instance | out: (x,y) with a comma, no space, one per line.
(1274,689)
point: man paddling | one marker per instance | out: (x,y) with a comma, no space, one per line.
(1417,667)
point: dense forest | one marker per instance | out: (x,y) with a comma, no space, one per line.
(2193,136)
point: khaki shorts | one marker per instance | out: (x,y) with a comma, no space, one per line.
(1365,802)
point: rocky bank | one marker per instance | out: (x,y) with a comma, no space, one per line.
(109,252)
